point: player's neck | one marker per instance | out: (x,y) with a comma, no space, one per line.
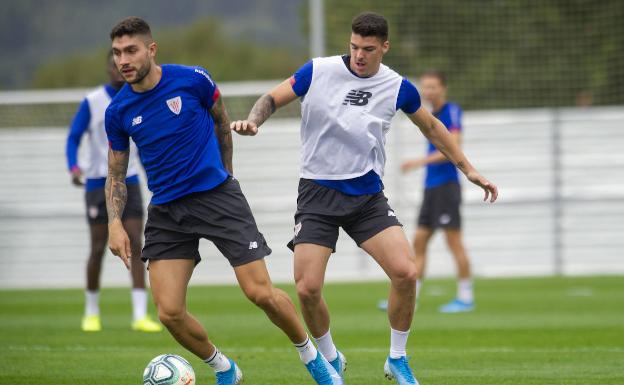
(149,81)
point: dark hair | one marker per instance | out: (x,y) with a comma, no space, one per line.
(435,74)
(370,24)
(131,26)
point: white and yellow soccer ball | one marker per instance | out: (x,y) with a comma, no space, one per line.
(168,369)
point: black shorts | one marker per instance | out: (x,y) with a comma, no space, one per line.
(440,207)
(221,215)
(322,210)
(96,204)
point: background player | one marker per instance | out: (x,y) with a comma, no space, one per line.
(178,120)
(440,207)
(348,104)
(90,120)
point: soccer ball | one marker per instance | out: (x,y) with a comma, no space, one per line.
(168,369)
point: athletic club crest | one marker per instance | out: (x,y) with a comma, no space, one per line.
(175,105)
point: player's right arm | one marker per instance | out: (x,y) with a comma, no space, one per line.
(264,107)
(116,190)
(79,126)
(290,89)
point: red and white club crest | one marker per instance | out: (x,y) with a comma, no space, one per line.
(175,105)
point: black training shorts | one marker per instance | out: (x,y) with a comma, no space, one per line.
(221,215)
(440,207)
(322,210)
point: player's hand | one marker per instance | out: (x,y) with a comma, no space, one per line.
(76,176)
(411,164)
(244,127)
(119,243)
(490,189)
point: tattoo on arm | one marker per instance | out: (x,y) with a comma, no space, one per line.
(116,191)
(224,134)
(262,109)
(461,166)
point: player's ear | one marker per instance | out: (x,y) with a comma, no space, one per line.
(152,48)
(385,47)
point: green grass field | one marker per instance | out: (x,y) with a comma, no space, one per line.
(525,331)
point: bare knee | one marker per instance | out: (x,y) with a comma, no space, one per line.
(405,277)
(170,316)
(263,296)
(309,293)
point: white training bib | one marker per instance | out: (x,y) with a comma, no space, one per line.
(345,119)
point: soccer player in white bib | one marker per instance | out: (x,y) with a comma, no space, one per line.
(89,120)
(347,104)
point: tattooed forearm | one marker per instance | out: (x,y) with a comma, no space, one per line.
(116,191)
(264,107)
(224,133)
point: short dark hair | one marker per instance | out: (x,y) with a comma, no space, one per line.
(370,24)
(131,26)
(432,73)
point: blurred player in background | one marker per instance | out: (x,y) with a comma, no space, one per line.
(177,118)
(348,102)
(440,208)
(90,120)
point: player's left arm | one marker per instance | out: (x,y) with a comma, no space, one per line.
(437,134)
(224,134)
(434,157)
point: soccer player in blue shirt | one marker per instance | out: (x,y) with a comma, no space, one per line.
(89,120)
(177,118)
(440,208)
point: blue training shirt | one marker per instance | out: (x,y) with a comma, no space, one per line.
(408,101)
(80,125)
(443,172)
(173,130)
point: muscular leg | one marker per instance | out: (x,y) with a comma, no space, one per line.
(310,264)
(99,236)
(255,282)
(420,244)
(392,252)
(134,228)
(169,280)
(456,246)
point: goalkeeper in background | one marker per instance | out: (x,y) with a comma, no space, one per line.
(89,119)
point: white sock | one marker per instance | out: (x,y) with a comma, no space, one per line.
(307,351)
(139,303)
(92,302)
(418,285)
(398,341)
(326,346)
(464,290)
(218,361)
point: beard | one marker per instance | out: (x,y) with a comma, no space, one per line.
(141,73)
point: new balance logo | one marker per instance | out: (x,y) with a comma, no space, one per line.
(391,213)
(137,120)
(357,98)
(253,245)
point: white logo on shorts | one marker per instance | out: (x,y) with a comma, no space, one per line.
(253,245)
(391,213)
(445,219)
(93,212)
(297,228)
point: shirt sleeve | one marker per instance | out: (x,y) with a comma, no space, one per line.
(206,87)
(79,125)
(409,98)
(118,138)
(455,115)
(301,79)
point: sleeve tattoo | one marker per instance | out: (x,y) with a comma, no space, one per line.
(262,109)
(224,134)
(116,191)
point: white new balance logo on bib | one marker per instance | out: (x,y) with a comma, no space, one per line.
(253,245)
(175,105)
